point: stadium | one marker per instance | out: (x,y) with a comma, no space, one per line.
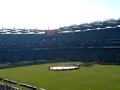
(97,42)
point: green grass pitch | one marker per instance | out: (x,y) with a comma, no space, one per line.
(97,77)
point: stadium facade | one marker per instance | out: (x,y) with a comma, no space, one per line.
(97,41)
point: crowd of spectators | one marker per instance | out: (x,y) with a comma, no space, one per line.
(8,87)
(7,84)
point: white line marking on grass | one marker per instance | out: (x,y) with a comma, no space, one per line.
(42,89)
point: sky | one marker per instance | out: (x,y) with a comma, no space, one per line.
(54,13)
